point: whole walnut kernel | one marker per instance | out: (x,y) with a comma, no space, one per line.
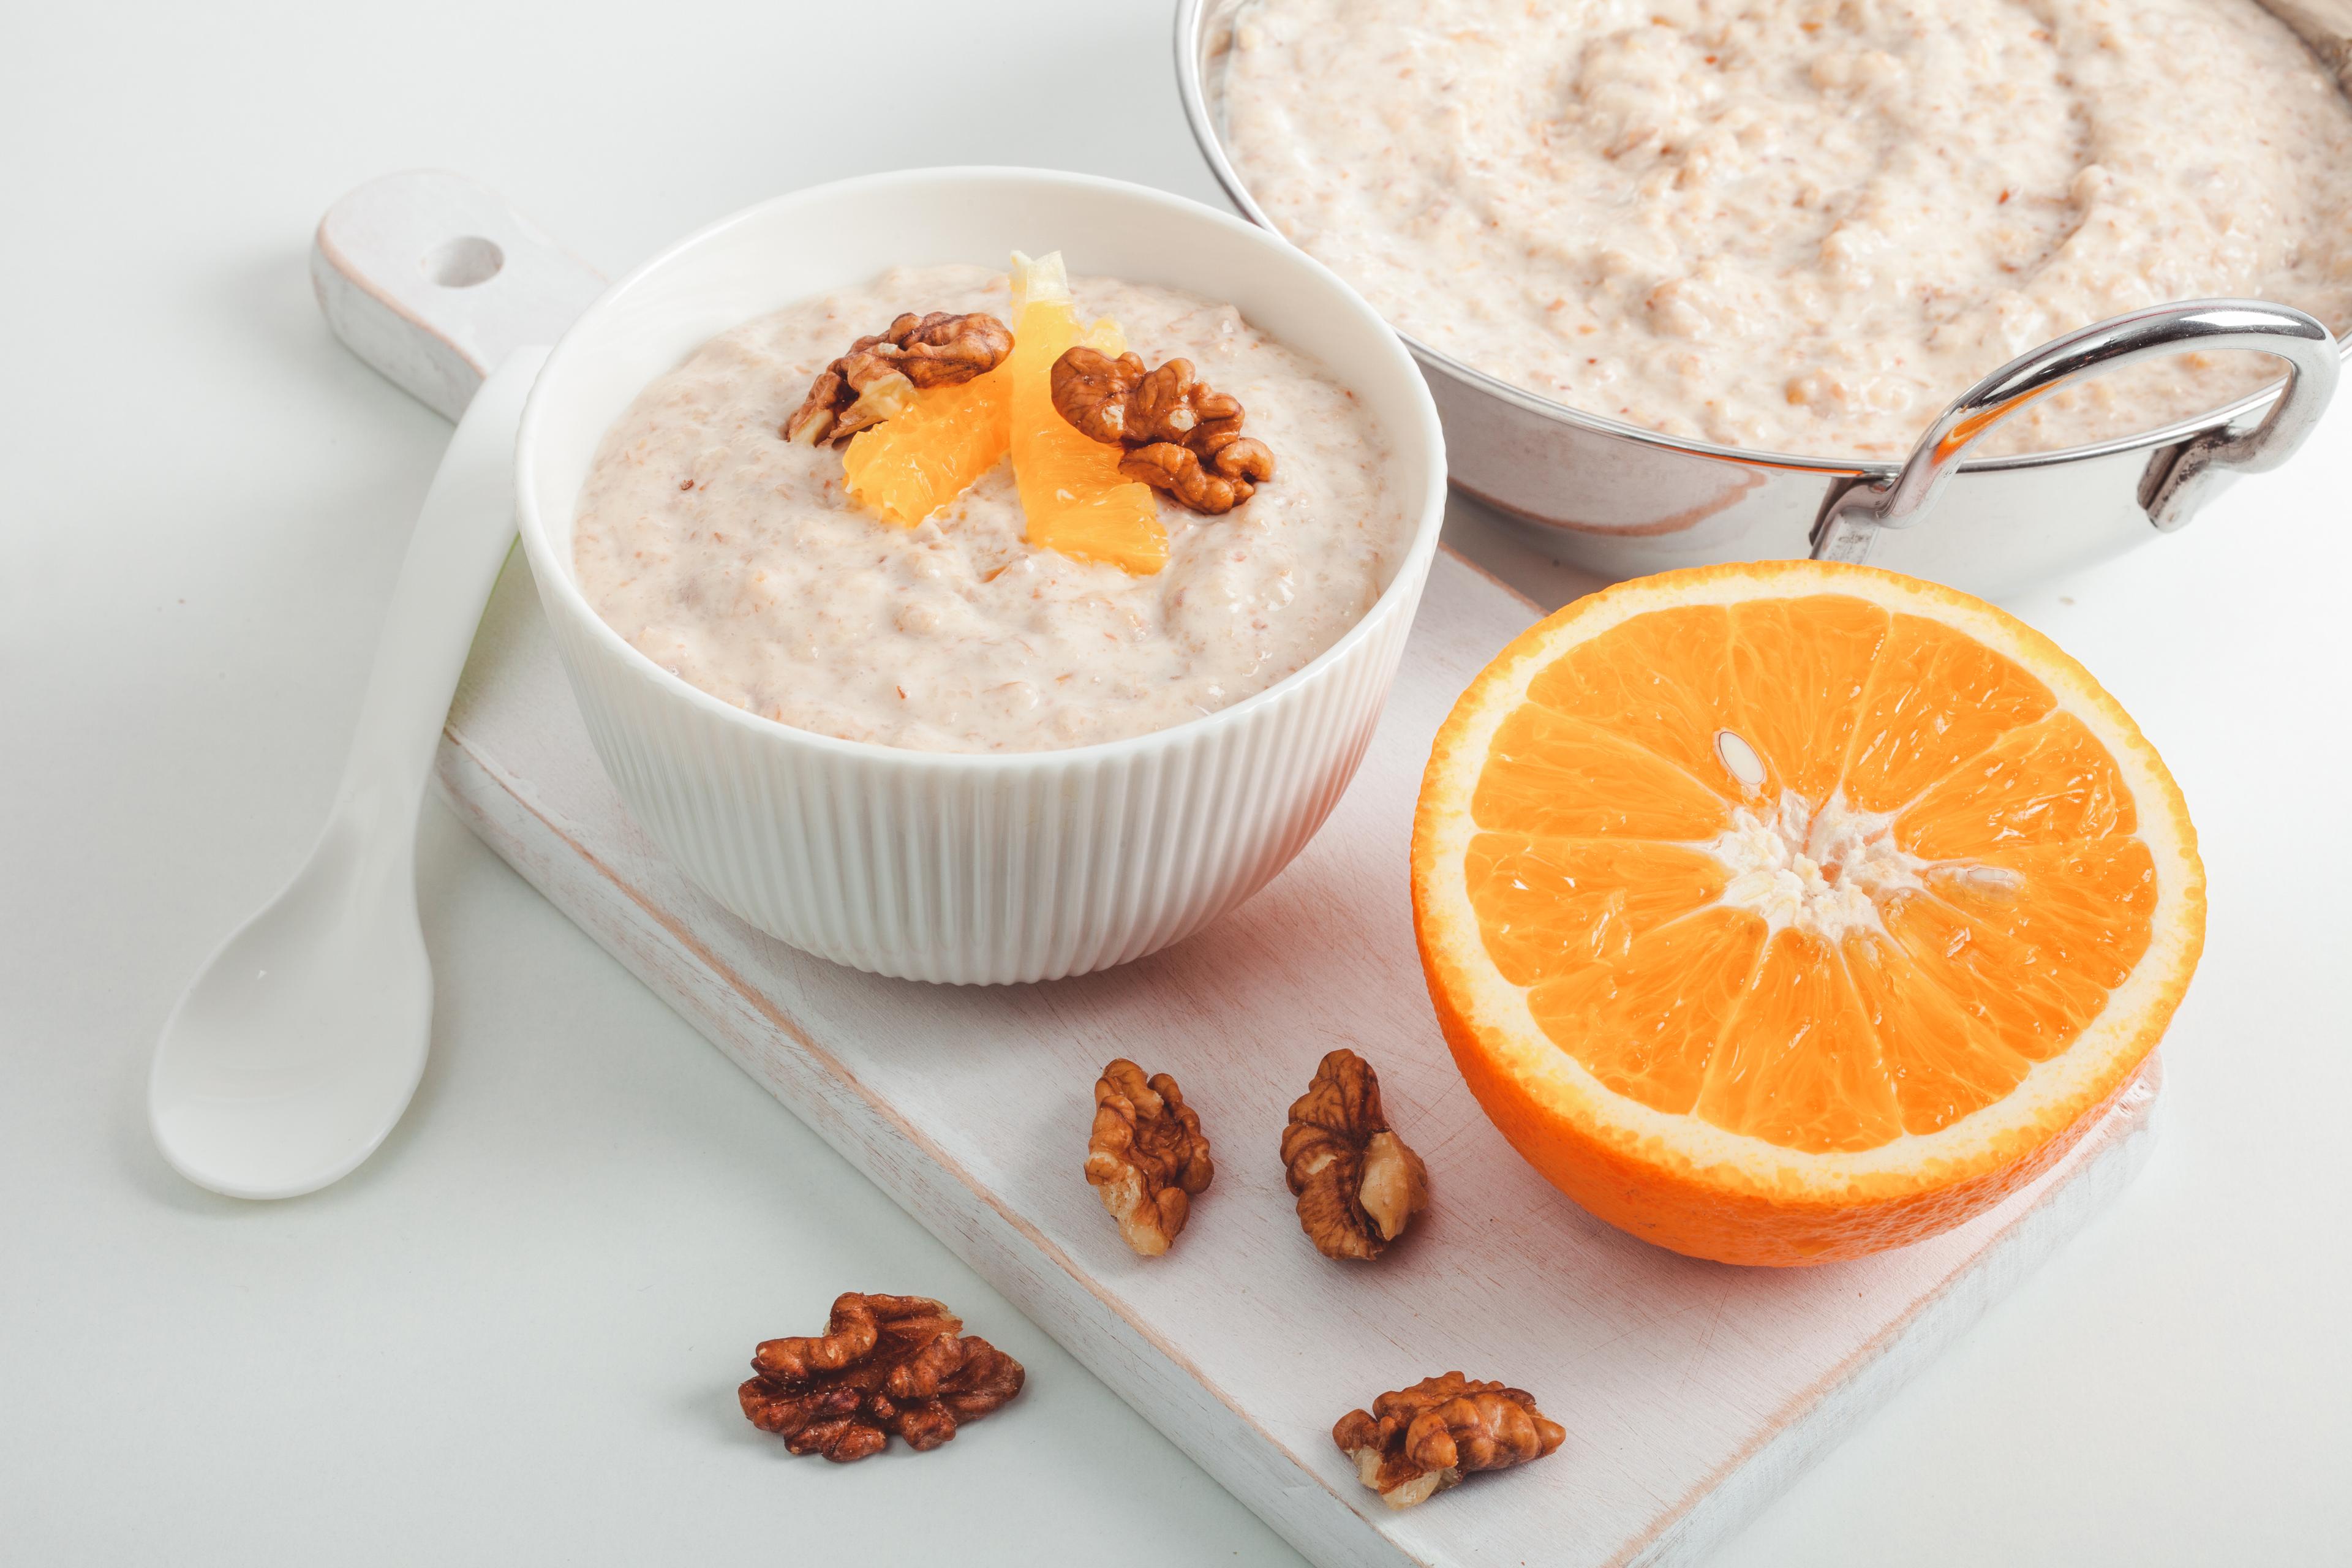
(1357,1184)
(879,375)
(1181,436)
(1418,1441)
(884,1364)
(1146,1155)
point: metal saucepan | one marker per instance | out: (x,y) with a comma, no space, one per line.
(1617,499)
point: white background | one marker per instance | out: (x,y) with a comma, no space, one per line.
(513,1335)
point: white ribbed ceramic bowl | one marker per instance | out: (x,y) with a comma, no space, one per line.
(969,868)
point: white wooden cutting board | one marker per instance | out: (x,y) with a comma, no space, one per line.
(1692,1393)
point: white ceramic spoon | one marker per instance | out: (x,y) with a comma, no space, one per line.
(295,1050)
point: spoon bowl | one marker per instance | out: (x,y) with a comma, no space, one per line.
(294,1051)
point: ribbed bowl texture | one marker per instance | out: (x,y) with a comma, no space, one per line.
(969,869)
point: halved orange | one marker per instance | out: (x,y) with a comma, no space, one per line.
(1783,913)
(1072,494)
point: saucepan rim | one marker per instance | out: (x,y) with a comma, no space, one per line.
(1193,18)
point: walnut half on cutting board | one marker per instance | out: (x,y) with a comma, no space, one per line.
(1146,1155)
(1357,1184)
(1415,1442)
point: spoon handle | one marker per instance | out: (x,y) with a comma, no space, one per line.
(438,283)
(461,540)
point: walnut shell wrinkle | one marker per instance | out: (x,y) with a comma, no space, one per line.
(1146,1155)
(1357,1184)
(1180,434)
(1418,1441)
(878,377)
(884,1364)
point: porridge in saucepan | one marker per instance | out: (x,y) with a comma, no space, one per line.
(1799,226)
(740,561)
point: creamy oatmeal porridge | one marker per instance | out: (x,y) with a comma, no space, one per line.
(736,559)
(1799,226)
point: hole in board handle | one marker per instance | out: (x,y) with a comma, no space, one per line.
(465,262)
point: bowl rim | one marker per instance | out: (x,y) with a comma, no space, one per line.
(1194,20)
(554,575)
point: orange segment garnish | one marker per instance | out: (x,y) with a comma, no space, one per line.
(1785,912)
(908,467)
(1072,493)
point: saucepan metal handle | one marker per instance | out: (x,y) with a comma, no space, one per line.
(1853,517)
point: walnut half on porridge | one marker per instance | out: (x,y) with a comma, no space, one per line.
(1180,435)
(879,375)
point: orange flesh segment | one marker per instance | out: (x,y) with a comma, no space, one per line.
(2044,783)
(1550,906)
(1801,666)
(905,469)
(1557,777)
(1800,1064)
(1661,1007)
(1945,1062)
(1939,697)
(2021,901)
(1074,496)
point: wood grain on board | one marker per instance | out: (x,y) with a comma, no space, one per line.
(1692,1393)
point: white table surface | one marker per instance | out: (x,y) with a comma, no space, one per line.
(513,1335)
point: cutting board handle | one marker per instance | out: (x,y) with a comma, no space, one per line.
(433,279)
